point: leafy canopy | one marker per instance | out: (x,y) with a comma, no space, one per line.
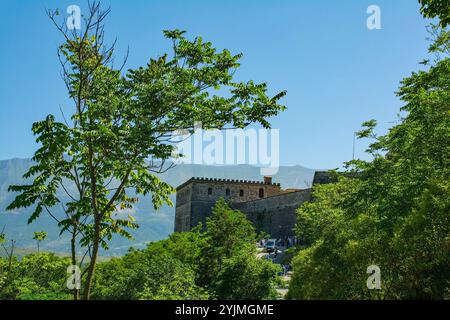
(121,128)
(392,211)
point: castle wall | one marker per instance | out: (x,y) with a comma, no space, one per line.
(183,209)
(218,187)
(199,203)
(200,210)
(323,177)
(276,215)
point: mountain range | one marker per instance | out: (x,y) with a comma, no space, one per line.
(154,226)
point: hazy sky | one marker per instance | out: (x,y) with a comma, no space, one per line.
(337,72)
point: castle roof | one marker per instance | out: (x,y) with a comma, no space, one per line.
(320,177)
(201,179)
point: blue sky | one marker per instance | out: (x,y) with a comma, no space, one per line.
(338,73)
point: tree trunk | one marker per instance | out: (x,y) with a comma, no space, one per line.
(76,292)
(10,258)
(91,271)
(97,220)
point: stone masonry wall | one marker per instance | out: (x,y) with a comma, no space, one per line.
(194,202)
(276,215)
(272,211)
(183,209)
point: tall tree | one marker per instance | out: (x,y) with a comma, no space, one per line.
(39,236)
(395,211)
(228,264)
(121,129)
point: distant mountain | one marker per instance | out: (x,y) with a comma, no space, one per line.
(153,225)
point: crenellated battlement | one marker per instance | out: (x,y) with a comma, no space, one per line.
(219,180)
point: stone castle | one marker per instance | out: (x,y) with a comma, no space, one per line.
(270,208)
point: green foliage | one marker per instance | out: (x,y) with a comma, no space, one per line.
(228,230)
(36,277)
(393,211)
(181,287)
(40,235)
(436,8)
(121,125)
(217,263)
(338,246)
(245,277)
(228,265)
(185,246)
(146,275)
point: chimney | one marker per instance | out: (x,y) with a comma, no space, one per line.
(267,180)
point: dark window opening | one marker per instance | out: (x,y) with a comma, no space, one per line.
(241,193)
(261,193)
(227,192)
(210,191)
